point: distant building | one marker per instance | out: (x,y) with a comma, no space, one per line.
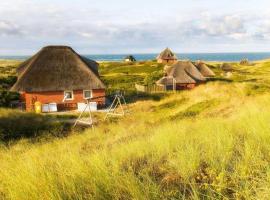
(204,69)
(166,57)
(244,62)
(226,67)
(130,58)
(181,75)
(58,75)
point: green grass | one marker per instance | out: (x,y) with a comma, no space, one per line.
(208,143)
(8,67)
(7,79)
(15,125)
(125,75)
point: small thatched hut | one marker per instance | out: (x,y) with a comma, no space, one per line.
(226,67)
(204,69)
(244,62)
(166,57)
(181,75)
(57,74)
(130,58)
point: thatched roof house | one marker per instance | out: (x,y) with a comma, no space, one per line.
(130,58)
(204,69)
(167,57)
(183,74)
(244,62)
(56,71)
(227,67)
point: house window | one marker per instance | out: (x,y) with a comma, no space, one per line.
(68,95)
(87,94)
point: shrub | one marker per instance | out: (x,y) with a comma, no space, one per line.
(7,97)
(153,77)
(16,125)
(7,82)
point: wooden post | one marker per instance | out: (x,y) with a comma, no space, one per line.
(174,84)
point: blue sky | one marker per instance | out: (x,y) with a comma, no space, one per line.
(141,26)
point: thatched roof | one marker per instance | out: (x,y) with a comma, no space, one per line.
(182,72)
(204,69)
(244,62)
(226,67)
(130,58)
(165,81)
(57,68)
(167,54)
(167,69)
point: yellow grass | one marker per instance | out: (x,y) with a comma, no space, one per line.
(208,143)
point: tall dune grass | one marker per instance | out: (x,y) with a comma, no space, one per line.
(160,151)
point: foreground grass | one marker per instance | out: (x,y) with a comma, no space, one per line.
(208,143)
(211,143)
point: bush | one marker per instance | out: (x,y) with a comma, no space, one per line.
(16,125)
(7,97)
(151,78)
(7,82)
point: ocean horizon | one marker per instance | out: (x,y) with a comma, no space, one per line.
(226,57)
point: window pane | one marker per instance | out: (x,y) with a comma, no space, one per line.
(68,95)
(87,94)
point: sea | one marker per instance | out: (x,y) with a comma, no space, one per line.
(226,57)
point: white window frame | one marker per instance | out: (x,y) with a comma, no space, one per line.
(70,99)
(91,96)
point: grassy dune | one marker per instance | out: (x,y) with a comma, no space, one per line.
(124,75)
(212,142)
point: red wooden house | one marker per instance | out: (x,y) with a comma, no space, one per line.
(58,75)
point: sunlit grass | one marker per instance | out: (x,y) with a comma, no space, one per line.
(208,143)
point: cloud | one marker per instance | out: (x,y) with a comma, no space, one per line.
(9,29)
(55,22)
(263,30)
(229,26)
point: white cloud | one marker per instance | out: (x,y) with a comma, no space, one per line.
(9,29)
(42,22)
(220,26)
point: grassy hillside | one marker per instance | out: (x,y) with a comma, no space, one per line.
(124,75)
(208,143)
(7,79)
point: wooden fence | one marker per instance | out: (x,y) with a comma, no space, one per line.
(149,88)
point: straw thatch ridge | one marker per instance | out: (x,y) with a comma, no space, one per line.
(20,69)
(189,68)
(204,69)
(167,54)
(57,68)
(93,65)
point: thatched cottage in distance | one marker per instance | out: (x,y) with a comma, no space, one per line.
(204,69)
(166,57)
(181,75)
(130,58)
(58,75)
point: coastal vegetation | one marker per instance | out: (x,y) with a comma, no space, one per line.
(211,142)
